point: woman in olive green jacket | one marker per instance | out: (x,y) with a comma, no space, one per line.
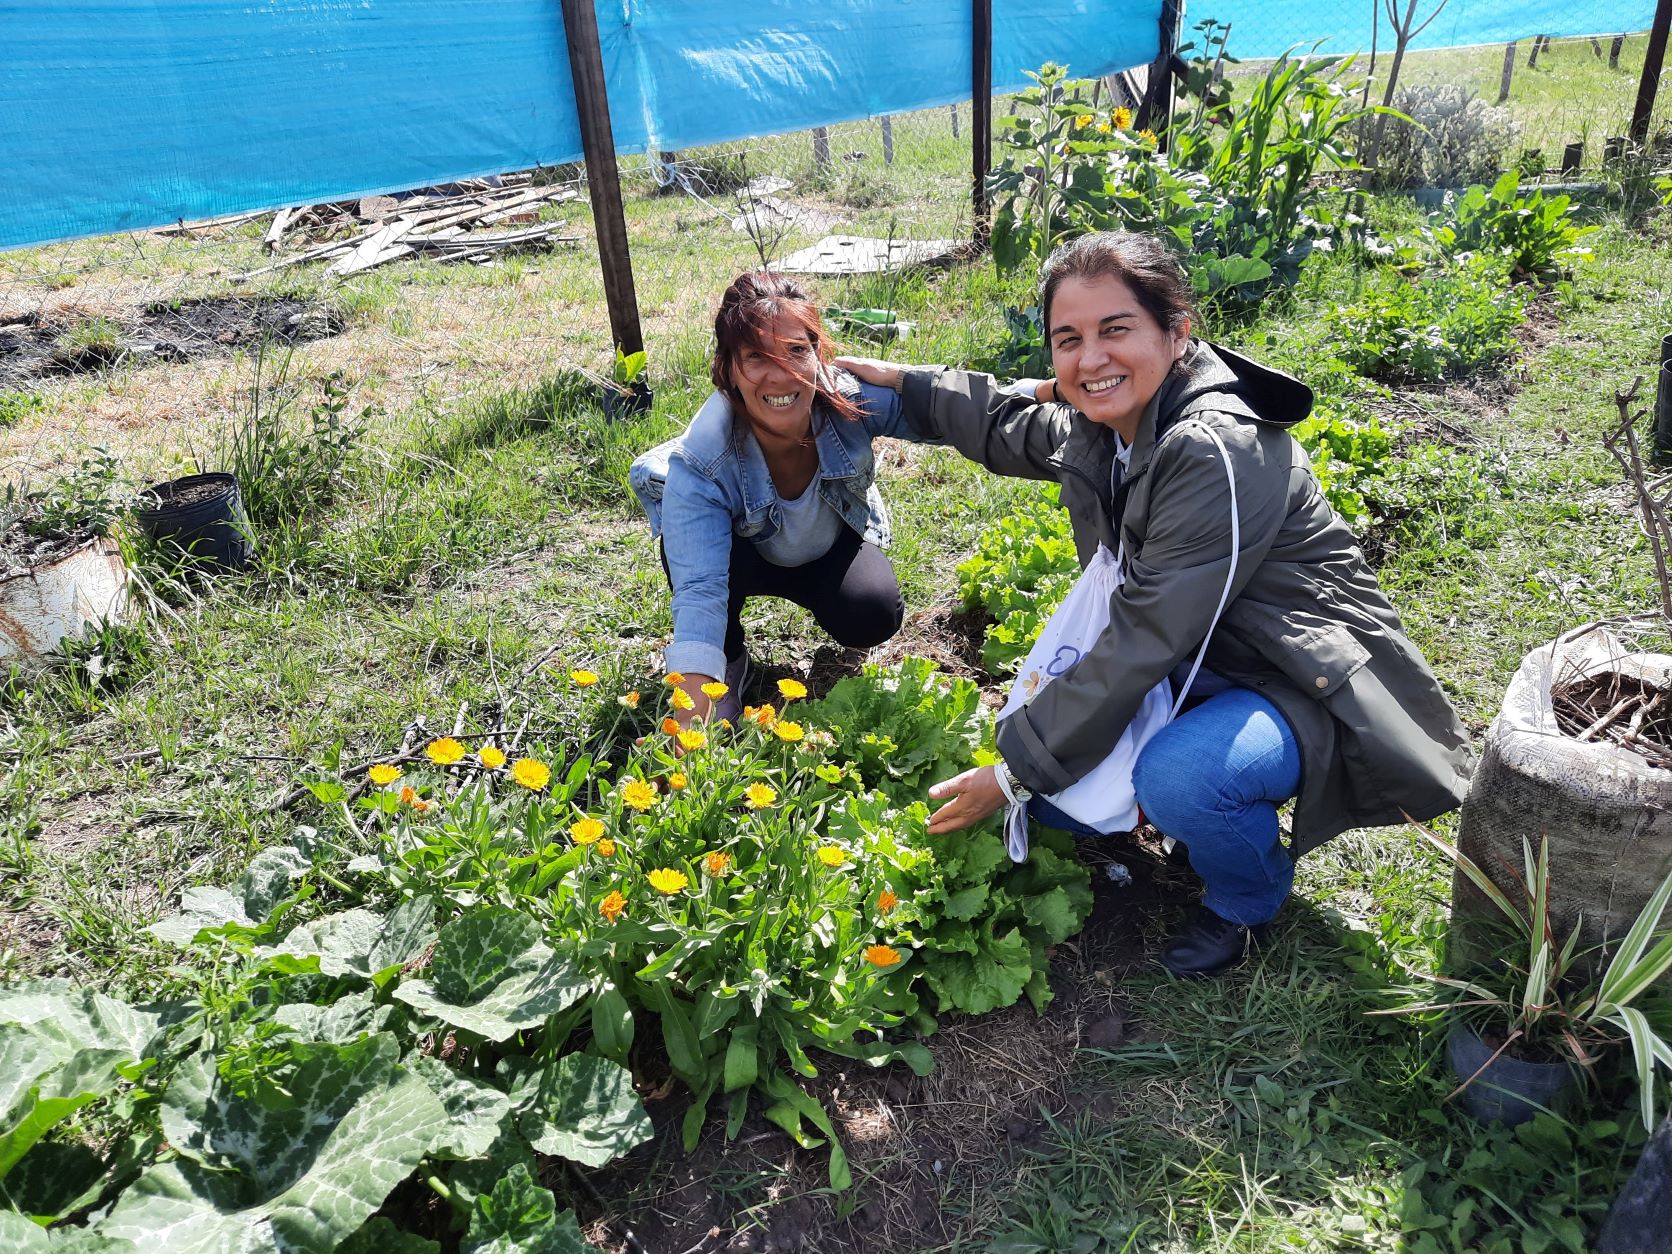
(1309,688)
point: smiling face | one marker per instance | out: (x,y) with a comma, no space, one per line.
(775,379)
(1109,352)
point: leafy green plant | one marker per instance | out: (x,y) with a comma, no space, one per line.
(628,368)
(77,505)
(16,405)
(1022,567)
(1438,324)
(1538,1001)
(1534,233)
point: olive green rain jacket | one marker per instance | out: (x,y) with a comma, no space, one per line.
(1307,627)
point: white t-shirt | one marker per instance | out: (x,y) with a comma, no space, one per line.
(807,527)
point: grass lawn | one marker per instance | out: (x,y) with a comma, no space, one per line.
(481,520)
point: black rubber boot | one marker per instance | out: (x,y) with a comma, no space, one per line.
(1208,944)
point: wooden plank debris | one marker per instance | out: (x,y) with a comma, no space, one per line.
(858,254)
(440,224)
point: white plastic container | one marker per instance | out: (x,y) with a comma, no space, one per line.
(42,605)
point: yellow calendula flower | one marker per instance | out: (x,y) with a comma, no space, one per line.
(1082,121)
(759,796)
(683,700)
(886,901)
(667,881)
(832,855)
(787,731)
(629,699)
(531,773)
(383,774)
(445,751)
(612,906)
(714,689)
(1121,117)
(677,781)
(828,772)
(1148,136)
(691,738)
(670,726)
(638,795)
(491,756)
(1103,128)
(583,679)
(882,955)
(716,863)
(673,679)
(791,689)
(586,831)
(605,848)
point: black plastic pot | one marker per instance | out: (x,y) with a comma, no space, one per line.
(1511,1090)
(213,531)
(1663,401)
(625,400)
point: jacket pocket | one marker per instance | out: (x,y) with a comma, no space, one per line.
(1316,654)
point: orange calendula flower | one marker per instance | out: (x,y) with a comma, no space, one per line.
(410,797)
(531,773)
(583,679)
(683,700)
(670,726)
(714,689)
(586,831)
(691,738)
(629,699)
(765,715)
(445,751)
(832,855)
(612,906)
(677,781)
(1121,117)
(638,795)
(792,689)
(886,901)
(759,796)
(673,679)
(716,863)
(605,848)
(383,774)
(667,881)
(787,731)
(491,756)
(882,955)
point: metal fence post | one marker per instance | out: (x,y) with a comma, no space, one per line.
(981,113)
(603,178)
(1653,56)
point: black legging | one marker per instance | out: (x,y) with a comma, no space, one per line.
(850,591)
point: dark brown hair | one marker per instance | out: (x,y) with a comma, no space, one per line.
(747,310)
(1142,262)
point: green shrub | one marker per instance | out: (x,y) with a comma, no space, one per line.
(15,406)
(1535,234)
(1438,324)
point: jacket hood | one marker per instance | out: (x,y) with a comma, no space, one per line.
(1272,397)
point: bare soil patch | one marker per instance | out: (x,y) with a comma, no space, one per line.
(33,344)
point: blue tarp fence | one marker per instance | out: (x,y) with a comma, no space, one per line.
(124,114)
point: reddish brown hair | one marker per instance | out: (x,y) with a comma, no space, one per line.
(747,309)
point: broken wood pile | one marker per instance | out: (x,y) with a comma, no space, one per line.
(435,224)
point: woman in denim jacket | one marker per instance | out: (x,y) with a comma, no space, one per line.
(771,491)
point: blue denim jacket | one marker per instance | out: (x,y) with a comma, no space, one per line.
(711,483)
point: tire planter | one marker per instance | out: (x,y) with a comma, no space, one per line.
(1511,1090)
(1605,810)
(57,598)
(209,526)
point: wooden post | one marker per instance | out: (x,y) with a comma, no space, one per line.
(1532,57)
(1572,155)
(821,148)
(1509,71)
(603,179)
(981,113)
(1155,110)
(1619,42)
(954,109)
(1653,56)
(887,139)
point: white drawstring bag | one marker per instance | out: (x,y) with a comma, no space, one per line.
(1103,799)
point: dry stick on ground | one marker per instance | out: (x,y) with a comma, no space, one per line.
(1622,443)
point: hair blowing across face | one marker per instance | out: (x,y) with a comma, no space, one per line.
(748,308)
(1142,262)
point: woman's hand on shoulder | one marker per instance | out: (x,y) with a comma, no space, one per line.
(872,370)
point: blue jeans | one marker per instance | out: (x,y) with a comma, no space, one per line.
(1212,780)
